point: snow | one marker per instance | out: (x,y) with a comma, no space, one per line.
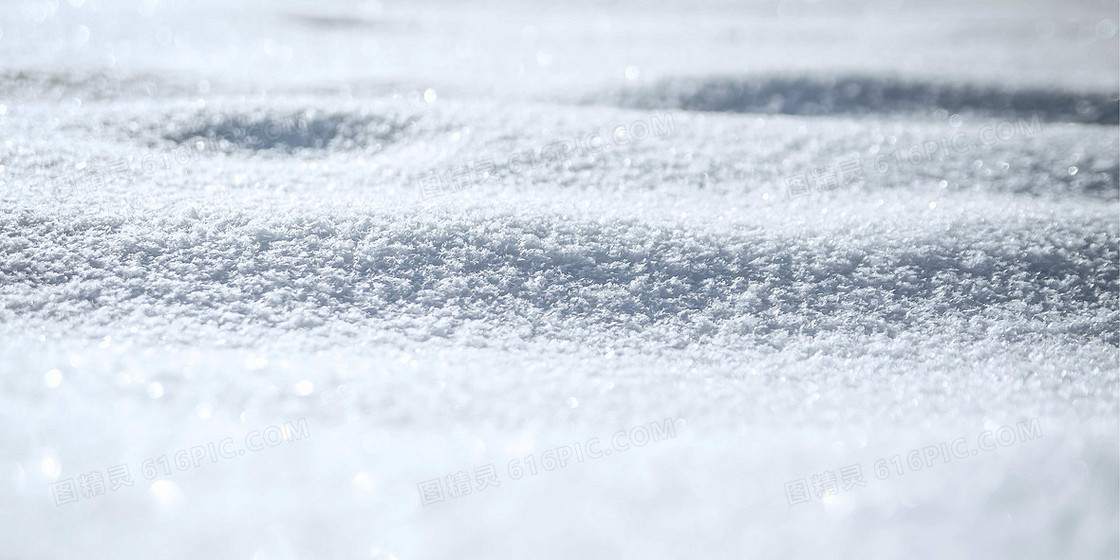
(214,225)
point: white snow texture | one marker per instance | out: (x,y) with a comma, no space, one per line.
(360,279)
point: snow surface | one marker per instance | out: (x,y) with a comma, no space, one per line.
(266,256)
